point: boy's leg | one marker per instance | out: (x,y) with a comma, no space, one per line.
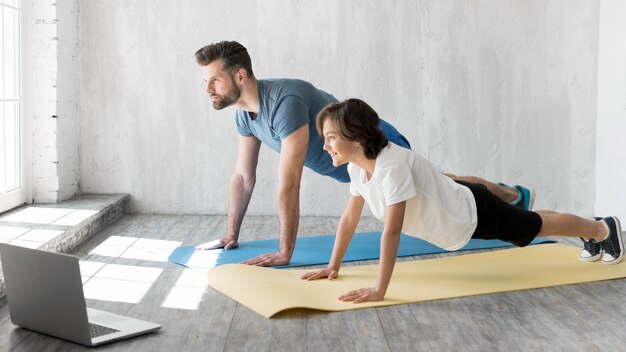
(568,225)
(606,232)
(500,220)
(592,250)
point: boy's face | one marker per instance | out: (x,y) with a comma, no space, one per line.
(221,86)
(340,149)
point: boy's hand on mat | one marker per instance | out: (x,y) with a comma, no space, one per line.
(330,273)
(361,295)
(269,259)
(227,242)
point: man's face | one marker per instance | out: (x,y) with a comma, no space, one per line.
(221,86)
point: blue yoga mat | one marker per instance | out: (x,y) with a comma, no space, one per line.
(315,250)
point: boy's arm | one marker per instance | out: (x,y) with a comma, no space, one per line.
(345,230)
(347,224)
(388,253)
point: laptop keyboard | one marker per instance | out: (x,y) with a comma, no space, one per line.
(98,330)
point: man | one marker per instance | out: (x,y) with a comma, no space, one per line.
(281,113)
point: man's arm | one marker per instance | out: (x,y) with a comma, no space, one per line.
(240,190)
(292,154)
(345,230)
(389,242)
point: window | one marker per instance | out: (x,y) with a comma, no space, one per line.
(12,180)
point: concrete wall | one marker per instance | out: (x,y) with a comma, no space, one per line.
(55,92)
(611,125)
(501,89)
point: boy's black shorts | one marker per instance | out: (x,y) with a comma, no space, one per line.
(499,220)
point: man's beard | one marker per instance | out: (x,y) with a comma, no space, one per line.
(228,99)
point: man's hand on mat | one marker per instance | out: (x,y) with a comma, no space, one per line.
(361,295)
(227,242)
(330,273)
(269,259)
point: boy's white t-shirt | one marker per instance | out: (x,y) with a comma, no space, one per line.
(438,210)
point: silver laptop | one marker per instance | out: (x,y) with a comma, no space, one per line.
(45,294)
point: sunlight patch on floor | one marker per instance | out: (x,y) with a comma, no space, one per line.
(187,292)
(27,237)
(202,261)
(54,216)
(136,248)
(115,282)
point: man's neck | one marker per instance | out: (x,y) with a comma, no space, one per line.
(249,99)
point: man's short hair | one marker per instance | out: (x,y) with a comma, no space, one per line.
(234,55)
(356,121)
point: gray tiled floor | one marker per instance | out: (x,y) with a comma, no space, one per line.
(574,318)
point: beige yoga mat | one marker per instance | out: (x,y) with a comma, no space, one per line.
(270,291)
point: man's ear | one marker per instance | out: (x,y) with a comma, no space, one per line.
(241,75)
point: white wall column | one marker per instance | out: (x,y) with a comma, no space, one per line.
(611,125)
(55,110)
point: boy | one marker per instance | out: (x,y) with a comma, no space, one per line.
(409,195)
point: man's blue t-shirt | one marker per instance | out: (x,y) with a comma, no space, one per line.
(285,105)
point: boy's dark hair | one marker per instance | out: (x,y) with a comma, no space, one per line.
(356,121)
(234,55)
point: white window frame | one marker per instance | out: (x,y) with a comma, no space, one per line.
(21,195)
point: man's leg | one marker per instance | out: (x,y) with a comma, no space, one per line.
(519,196)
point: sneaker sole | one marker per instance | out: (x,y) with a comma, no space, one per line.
(613,262)
(618,228)
(595,258)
